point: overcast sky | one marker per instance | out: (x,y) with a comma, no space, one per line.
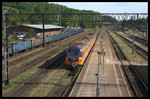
(108,7)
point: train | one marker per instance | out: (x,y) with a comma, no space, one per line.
(15,47)
(78,52)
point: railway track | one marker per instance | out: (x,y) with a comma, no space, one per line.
(144,40)
(139,50)
(60,88)
(22,88)
(27,66)
(137,84)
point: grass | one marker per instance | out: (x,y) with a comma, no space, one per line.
(126,49)
(137,32)
(44,89)
(15,82)
(4,87)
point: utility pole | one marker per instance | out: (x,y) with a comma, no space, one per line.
(103,53)
(133,37)
(43,31)
(6,47)
(70,32)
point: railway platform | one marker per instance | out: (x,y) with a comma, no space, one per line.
(111,84)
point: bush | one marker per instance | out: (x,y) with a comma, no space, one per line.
(30,34)
(13,38)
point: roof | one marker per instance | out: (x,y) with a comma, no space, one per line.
(40,26)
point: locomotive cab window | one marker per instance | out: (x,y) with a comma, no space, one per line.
(74,53)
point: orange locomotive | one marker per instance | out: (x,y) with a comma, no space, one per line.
(77,53)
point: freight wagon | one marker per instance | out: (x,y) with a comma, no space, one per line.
(20,46)
(16,47)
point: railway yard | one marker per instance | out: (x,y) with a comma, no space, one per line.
(41,72)
(58,50)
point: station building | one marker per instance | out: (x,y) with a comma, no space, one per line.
(23,29)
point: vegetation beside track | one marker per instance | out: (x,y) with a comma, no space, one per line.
(137,33)
(127,50)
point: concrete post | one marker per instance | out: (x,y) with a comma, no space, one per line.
(6,47)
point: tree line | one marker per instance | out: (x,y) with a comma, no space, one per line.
(45,7)
(62,11)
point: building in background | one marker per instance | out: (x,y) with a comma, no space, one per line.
(22,30)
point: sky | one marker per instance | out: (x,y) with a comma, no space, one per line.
(108,7)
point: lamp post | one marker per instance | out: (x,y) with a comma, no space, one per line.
(101,42)
(97,75)
(101,47)
(103,54)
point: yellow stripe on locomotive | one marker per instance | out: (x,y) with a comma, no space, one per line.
(79,62)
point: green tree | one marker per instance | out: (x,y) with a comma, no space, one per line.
(13,38)
(30,34)
(45,7)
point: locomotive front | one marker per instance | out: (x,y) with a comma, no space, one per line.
(73,57)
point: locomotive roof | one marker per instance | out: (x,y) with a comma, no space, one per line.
(74,47)
(85,40)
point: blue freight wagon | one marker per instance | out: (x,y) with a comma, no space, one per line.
(23,45)
(19,46)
